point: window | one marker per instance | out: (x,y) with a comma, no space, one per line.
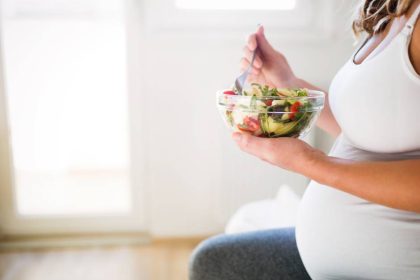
(236,4)
(68,119)
(292,17)
(65,75)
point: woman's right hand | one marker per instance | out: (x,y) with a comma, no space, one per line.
(270,66)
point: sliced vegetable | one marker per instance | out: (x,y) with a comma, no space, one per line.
(294,109)
(270,112)
(268,102)
(229,92)
(229,117)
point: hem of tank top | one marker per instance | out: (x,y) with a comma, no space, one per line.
(347,140)
(344,138)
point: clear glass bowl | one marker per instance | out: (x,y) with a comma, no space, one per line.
(271,117)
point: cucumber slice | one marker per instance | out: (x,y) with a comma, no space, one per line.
(263,123)
(279,128)
(285,117)
(278,102)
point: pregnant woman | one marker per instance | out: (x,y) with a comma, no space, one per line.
(360,216)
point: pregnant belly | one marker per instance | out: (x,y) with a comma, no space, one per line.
(341,236)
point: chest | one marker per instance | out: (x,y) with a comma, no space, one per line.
(377,103)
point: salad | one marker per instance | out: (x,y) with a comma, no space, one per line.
(269,112)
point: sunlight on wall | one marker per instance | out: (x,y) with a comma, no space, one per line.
(67,103)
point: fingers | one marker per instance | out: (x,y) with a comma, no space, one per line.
(244,66)
(254,78)
(260,29)
(252,41)
(258,40)
(262,41)
(259,147)
(248,55)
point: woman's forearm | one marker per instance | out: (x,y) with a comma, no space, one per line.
(395,184)
(326,120)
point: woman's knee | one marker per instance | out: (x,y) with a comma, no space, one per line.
(268,254)
(209,258)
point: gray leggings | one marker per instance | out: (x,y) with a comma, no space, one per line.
(257,255)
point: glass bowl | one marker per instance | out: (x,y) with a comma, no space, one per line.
(271,116)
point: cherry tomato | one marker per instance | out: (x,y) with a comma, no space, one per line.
(229,92)
(268,102)
(250,125)
(294,109)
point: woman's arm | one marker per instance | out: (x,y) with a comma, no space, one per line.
(395,184)
(326,120)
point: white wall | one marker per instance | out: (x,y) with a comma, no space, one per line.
(190,172)
(195,177)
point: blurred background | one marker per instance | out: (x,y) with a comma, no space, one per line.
(113,157)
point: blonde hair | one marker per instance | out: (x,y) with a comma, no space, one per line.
(374,15)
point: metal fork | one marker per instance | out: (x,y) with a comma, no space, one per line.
(241,80)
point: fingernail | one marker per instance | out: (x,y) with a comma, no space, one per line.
(237,136)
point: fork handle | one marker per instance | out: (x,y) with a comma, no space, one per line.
(254,54)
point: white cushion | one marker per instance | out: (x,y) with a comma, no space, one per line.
(280,211)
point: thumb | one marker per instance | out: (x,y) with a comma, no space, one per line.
(263,44)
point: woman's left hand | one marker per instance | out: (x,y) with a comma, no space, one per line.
(288,153)
(378,178)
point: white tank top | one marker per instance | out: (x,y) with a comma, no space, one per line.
(341,236)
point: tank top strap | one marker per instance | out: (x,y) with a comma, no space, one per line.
(409,26)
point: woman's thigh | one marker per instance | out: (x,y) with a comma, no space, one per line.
(258,255)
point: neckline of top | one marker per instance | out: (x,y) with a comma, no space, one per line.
(405,31)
